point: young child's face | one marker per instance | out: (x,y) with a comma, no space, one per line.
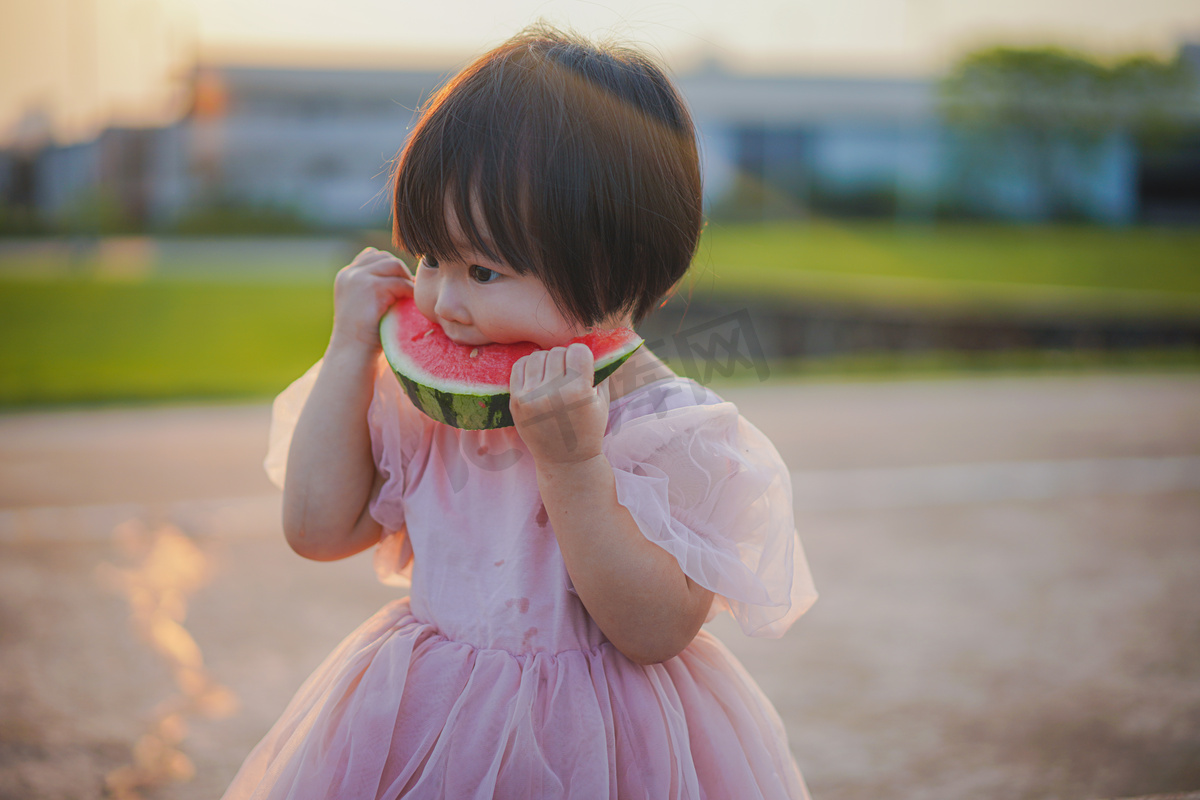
(480,301)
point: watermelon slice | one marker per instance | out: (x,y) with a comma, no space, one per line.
(467,386)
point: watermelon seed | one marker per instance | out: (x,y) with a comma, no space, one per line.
(475,353)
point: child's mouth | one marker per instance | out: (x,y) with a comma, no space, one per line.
(452,335)
(459,339)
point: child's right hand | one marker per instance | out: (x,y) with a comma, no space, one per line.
(363,290)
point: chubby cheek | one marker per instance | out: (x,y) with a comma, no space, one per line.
(425,294)
(552,328)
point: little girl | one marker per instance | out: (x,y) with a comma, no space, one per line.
(560,569)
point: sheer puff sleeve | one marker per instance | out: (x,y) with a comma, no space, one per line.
(397,429)
(389,414)
(285,412)
(710,489)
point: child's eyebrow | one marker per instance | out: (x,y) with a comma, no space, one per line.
(473,240)
(484,249)
(487,243)
(494,264)
(467,253)
(490,247)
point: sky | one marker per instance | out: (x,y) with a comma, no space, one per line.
(85,62)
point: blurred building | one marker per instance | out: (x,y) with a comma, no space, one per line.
(781,145)
(316,141)
(319,144)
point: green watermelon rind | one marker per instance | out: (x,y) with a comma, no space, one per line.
(461,406)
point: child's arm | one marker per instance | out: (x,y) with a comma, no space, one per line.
(331,474)
(634,590)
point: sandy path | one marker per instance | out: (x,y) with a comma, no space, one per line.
(977,642)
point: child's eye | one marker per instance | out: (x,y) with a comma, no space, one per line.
(429,261)
(483,274)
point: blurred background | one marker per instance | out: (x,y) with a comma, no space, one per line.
(890,184)
(951,266)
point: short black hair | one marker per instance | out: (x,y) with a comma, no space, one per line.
(571,160)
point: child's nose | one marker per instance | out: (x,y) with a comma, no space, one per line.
(450,305)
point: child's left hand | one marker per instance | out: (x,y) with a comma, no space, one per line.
(559,414)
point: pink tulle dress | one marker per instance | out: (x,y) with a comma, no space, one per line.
(490,680)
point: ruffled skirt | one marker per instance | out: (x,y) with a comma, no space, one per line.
(399,710)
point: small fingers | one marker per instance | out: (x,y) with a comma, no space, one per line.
(579,361)
(516,379)
(545,374)
(388,265)
(373,265)
(365,256)
(535,370)
(556,366)
(569,368)
(381,262)
(402,269)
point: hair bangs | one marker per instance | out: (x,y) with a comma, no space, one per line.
(461,180)
(573,162)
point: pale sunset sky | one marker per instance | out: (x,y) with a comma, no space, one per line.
(83,62)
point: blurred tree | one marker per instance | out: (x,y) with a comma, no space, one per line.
(1153,99)
(1042,99)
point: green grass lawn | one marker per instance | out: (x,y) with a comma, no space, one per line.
(73,337)
(81,341)
(1135,270)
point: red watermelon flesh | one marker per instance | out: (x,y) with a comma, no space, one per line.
(467,385)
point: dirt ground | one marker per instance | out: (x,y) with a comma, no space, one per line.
(1008,570)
